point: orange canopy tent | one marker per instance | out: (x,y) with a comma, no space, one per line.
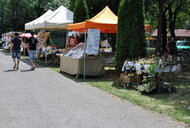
(106,21)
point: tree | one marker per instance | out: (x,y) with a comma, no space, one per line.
(174,8)
(95,6)
(131,33)
(72,4)
(80,11)
(160,26)
(136,29)
(2,14)
(171,14)
(55,4)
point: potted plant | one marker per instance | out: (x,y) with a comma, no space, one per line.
(149,83)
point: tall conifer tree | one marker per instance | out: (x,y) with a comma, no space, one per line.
(80,11)
(131,33)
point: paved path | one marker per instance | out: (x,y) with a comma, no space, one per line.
(46,99)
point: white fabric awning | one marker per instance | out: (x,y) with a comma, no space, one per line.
(58,19)
(31,25)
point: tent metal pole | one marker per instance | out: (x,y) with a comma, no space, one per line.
(85,44)
(66,40)
(24,47)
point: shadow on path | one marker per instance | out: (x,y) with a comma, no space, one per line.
(27,61)
(10,70)
(27,70)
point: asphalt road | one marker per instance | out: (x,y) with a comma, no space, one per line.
(46,99)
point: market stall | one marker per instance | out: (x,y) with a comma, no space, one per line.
(45,51)
(6,39)
(103,22)
(73,63)
(57,20)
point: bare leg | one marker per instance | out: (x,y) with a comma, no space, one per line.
(33,64)
(14,61)
(18,61)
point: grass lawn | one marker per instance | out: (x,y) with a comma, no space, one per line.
(175,105)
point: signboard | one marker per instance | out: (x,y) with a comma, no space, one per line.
(93,42)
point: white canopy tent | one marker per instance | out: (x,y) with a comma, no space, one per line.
(31,25)
(59,19)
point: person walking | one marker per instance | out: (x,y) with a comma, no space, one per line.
(16,50)
(32,43)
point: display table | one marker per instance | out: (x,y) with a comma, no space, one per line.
(94,65)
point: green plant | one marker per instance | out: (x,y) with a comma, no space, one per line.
(145,88)
(145,80)
(152,73)
(149,85)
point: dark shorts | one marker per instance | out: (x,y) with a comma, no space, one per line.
(32,54)
(16,54)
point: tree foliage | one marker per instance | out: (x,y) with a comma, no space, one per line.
(15,13)
(95,6)
(81,11)
(166,15)
(52,5)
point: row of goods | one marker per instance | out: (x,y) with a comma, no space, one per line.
(149,75)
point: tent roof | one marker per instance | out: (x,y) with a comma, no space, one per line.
(57,20)
(106,21)
(30,25)
(52,20)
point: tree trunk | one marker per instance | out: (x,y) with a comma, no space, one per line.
(159,34)
(171,23)
(164,33)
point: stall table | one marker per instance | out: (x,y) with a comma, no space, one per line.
(94,65)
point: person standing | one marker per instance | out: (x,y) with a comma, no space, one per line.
(32,43)
(72,42)
(166,57)
(171,46)
(16,50)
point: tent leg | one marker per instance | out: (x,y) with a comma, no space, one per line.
(85,43)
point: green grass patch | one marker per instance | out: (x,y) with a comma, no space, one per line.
(175,105)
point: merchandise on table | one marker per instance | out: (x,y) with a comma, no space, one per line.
(142,65)
(76,52)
